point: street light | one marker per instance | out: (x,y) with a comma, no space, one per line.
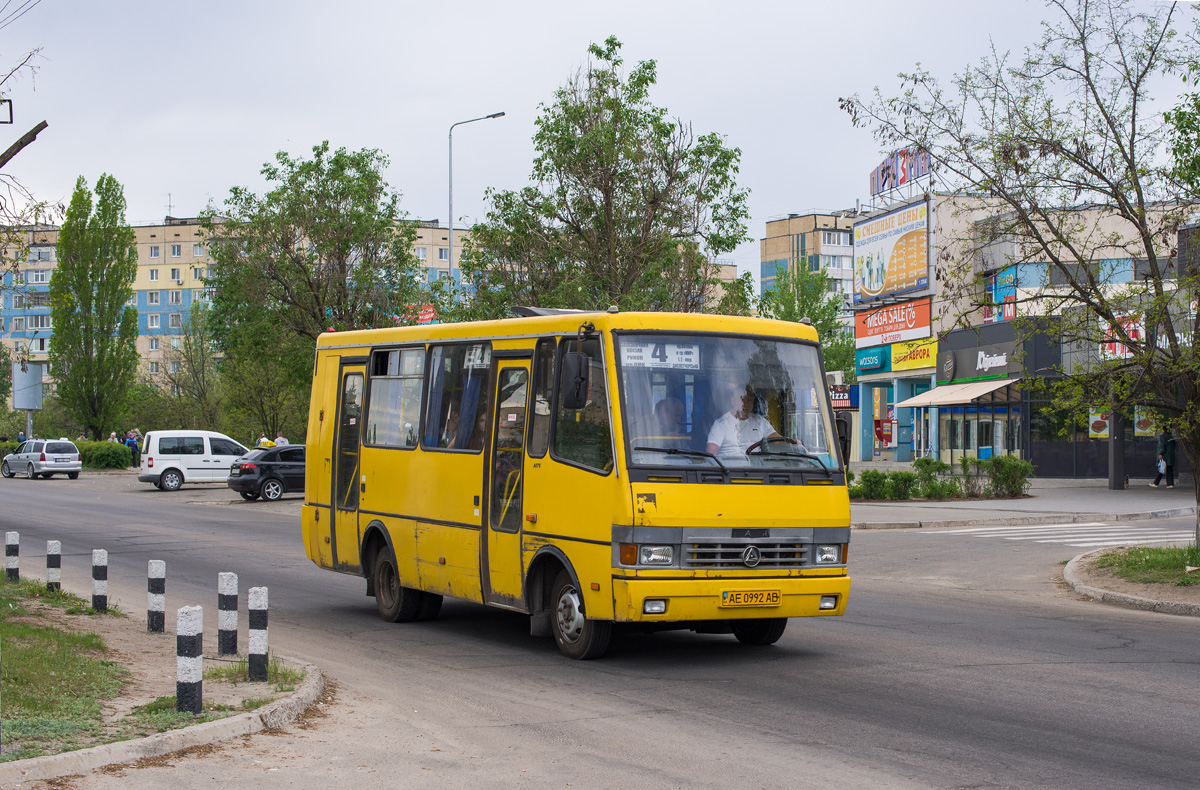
(451,136)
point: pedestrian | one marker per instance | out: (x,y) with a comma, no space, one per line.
(1166,459)
(280,438)
(112,437)
(132,444)
(20,436)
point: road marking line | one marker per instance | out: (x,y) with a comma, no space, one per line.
(1032,527)
(1168,537)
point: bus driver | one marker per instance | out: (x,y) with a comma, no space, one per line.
(740,428)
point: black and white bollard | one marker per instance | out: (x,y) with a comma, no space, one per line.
(99,580)
(227,614)
(257,604)
(53,565)
(156,597)
(189,659)
(12,556)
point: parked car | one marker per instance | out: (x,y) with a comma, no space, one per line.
(269,472)
(171,458)
(44,458)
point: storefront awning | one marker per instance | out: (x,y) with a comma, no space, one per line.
(954,393)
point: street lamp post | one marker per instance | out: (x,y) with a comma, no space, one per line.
(451,137)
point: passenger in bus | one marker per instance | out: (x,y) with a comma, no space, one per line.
(669,412)
(740,428)
(450,429)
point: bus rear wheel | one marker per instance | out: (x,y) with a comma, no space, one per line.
(577,636)
(759,632)
(396,603)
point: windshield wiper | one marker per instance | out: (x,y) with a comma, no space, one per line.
(824,468)
(680,451)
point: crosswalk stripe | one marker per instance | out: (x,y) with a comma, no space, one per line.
(1029,527)
(1184,536)
(1098,532)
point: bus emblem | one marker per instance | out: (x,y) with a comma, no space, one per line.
(751,556)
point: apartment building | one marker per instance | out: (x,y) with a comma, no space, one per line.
(820,241)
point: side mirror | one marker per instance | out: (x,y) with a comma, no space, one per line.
(573,380)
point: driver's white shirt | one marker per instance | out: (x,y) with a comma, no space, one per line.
(733,436)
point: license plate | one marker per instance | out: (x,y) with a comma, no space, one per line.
(63,460)
(751,598)
(234,472)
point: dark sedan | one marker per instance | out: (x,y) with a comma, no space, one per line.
(269,472)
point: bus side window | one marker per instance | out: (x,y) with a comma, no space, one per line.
(456,412)
(543,391)
(584,436)
(394,410)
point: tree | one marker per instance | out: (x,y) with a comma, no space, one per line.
(327,247)
(93,355)
(1064,157)
(187,373)
(801,294)
(627,206)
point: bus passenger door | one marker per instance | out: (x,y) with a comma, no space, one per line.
(346,473)
(502,565)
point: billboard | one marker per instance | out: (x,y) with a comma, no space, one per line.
(914,354)
(26,386)
(1002,287)
(891,253)
(893,324)
(898,169)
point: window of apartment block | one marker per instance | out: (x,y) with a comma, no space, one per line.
(41,254)
(197,272)
(174,367)
(18,301)
(18,325)
(443,253)
(41,299)
(152,297)
(175,322)
(153,321)
(198,250)
(176,250)
(174,342)
(18,345)
(152,368)
(421,253)
(37,344)
(39,322)
(18,278)
(840,237)
(208,271)
(175,297)
(175,390)
(39,278)
(154,344)
(154,275)
(153,251)
(176,274)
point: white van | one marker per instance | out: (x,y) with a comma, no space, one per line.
(171,458)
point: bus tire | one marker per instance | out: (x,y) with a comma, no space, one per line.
(431,606)
(577,637)
(759,632)
(396,603)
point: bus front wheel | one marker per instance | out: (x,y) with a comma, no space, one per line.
(577,636)
(396,603)
(759,632)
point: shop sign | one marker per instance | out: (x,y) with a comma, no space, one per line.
(914,354)
(893,324)
(983,362)
(900,167)
(1098,424)
(1143,422)
(839,394)
(1113,347)
(1002,286)
(891,253)
(872,360)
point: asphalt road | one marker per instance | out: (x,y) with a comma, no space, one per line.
(961,663)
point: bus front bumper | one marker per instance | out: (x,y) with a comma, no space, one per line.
(728,599)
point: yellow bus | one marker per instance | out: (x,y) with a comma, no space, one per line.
(589,469)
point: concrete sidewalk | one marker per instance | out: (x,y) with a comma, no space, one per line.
(1050,501)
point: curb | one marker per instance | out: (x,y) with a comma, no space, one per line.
(277,714)
(1019,521)
(1070,576)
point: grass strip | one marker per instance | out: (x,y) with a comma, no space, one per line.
(1160,565)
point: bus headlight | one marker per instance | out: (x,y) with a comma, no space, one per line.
(827,555)
(656,555)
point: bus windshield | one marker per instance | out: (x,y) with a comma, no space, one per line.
(734,402)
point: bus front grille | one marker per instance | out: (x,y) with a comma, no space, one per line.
(770,554)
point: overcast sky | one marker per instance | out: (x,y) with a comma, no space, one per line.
(181,101)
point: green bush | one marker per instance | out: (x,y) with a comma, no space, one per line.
(972,482)
(1008,476)
(849,478)
(873,484)
(901,485)
(856,492)
(105,455)
(940,489)
(8,447)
